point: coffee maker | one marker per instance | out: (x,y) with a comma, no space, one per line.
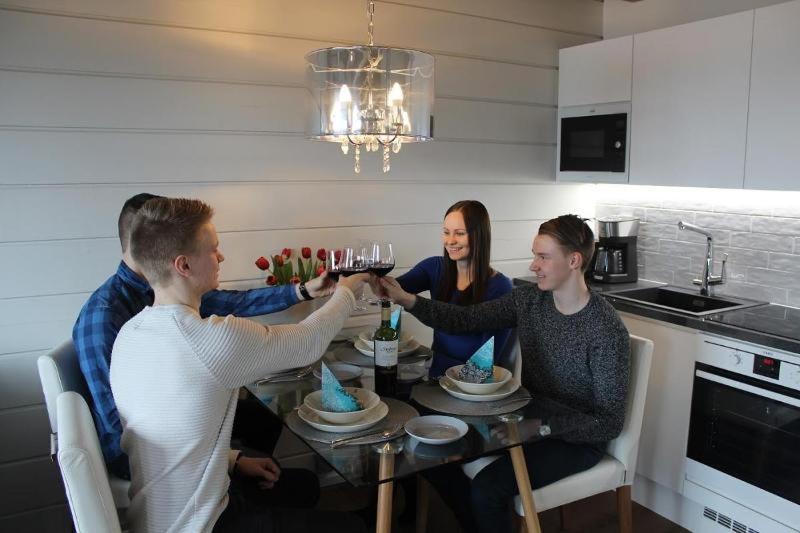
(614,258)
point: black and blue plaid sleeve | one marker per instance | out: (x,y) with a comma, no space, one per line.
(248,303)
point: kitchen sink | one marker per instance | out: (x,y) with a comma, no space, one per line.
(682,300)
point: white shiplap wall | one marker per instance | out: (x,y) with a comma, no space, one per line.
(103,99)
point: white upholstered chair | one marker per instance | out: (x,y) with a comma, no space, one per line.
(59,371)
(512,355)
(617,469)
(83,469)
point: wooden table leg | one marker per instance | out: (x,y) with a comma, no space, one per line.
(385,490)
(523,481)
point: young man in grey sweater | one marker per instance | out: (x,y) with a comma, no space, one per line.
(575,350)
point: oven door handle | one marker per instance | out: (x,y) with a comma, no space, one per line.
(748,388)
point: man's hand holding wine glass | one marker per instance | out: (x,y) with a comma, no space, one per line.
(321,286)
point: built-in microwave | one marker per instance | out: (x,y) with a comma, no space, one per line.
(593,142)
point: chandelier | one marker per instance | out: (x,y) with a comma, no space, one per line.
(370,97)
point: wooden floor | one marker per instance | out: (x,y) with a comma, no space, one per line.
(595,515)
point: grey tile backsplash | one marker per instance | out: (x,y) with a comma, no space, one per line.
(759,230)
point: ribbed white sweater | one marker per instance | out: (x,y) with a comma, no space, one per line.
(175,378)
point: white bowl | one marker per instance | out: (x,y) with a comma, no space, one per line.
(368,399)
(501,376)
(368,335)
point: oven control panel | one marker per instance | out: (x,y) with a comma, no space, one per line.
(766,365)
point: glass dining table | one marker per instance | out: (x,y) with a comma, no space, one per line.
(501,428)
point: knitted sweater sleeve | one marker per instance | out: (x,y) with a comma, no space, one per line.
(237,351)
(610,363)
(487,316)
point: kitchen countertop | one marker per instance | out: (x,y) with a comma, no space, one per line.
(771,325)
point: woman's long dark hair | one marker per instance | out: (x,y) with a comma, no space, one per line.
(479,233)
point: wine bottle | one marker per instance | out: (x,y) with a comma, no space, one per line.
(385,350)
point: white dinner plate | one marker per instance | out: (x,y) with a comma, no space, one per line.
(371,418)
(509,388)
(367,349)
(436,429)
(342,371)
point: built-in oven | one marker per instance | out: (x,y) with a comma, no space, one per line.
(743,452)
(593,142)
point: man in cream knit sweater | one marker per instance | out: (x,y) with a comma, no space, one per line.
(175,377)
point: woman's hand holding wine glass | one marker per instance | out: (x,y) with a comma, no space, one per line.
(389,288)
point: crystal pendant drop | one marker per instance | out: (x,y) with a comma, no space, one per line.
(357,167)
(396,145)
(386,165)
(345,146)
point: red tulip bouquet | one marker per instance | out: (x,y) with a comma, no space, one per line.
(281,271)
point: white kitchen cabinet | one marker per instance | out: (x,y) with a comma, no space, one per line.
(595,73)
(665,426)
(773,142)
(689,103)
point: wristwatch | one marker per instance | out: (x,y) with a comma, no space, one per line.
(304,292)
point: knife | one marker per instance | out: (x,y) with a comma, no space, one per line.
(374,436)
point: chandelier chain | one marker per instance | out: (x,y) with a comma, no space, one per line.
(371,10)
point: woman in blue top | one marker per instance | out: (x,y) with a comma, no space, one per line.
(462,276)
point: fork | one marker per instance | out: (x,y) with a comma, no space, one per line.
(293,374)
(507,401)
(379,435)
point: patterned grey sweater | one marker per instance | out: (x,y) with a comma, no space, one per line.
(581,360)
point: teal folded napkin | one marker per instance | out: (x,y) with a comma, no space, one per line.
(334,397)
(479,368)
(395,320)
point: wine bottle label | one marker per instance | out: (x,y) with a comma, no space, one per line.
(385,353)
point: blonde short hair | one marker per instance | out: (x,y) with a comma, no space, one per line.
(163,229)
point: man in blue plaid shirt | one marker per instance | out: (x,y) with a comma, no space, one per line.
(124,295)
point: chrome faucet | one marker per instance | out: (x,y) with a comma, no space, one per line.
(708,279)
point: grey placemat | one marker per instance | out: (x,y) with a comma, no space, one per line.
(399,413)
(432,396)
(346,353)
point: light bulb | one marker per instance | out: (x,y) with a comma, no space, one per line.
(396,94)
(344,95)
(338,120)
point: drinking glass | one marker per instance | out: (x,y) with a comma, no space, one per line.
(382,261)
(364,256)
(333,260)
(382,258)
(353,262)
